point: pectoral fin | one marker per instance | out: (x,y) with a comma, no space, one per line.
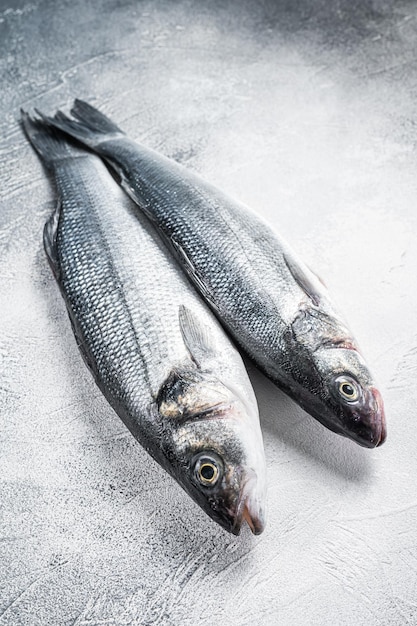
(303,280)
(189,269)
(195,335)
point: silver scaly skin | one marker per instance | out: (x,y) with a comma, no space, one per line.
(272,304)
(156,351)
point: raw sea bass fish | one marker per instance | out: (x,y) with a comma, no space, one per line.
(271,303)
(156,351)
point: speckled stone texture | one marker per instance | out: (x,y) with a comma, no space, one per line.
(306,111)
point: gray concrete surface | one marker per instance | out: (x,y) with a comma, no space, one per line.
(307,111)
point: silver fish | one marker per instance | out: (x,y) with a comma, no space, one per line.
(272,304)
(156,351)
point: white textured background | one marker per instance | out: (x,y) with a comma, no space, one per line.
(307,111)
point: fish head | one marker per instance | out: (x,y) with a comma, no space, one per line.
(329,378)
(352,404)
(213,445)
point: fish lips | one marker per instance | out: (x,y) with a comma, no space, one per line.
(249,509)
(372,419)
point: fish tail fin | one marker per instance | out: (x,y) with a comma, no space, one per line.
(90,127)
(94,119)
(51,146)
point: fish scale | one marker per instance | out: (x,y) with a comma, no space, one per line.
(156,351)
(233,293)
(215,253)
(105,314)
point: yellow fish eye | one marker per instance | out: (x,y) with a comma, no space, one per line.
(207,469)
(208,473)
(348,389)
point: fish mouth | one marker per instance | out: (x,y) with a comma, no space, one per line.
(249,509)
(379,423)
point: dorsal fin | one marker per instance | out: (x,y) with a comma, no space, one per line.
(195,334)
(302,280)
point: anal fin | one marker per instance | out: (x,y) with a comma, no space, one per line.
(49,241)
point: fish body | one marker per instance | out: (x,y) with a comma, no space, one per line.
(156,351)
(274,306)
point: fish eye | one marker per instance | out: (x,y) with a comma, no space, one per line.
(347,388)
(207,471)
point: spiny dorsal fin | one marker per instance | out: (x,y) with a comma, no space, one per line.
(195,335)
